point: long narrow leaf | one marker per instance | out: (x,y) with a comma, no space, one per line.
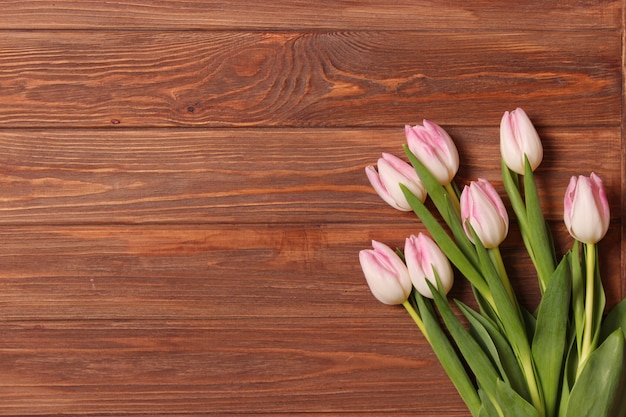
(550,338)
(511,186)
(444,206)
(614,320)
(596,389)
(503,356)
(476,358)
(488,408)
(436,191)
(512,321)
(462,241)
(447,355)
(446,243)
(578,294)
(569,374)
(512,404)
(541,242)
(508,313)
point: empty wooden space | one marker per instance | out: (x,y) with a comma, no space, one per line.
(183,196)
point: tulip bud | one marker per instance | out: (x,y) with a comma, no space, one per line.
(483,208)
(424,259)
(518,137)
(586,211)
(393,171)
(386,274)
(435,149)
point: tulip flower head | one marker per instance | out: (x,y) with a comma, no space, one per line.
(586,211)
(435,149)
(518,138)
(483,209)
(424,259)
(386,274)
(393,171)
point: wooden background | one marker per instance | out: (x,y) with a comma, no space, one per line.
(183,197)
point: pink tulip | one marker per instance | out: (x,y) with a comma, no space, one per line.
(518,137)
(386,274)
(482,207)
(435,149)
(423,259)
(393,171)
(586,211)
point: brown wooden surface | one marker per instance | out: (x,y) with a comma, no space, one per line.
(182,194)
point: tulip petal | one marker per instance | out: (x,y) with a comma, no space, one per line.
(380,188)
(483,209)
(435,149)
(586,209)
(519,140)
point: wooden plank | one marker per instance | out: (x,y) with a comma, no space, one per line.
(194,176)
(221,368)
(222,272)
(305,79)
(167,320)
(288,14)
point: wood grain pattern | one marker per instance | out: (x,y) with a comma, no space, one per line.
(182,194)
(251,176)
(218,272)
(570,15)
(294,79)
(185,366)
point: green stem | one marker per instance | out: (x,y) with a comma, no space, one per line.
(531,380)
(416,318)
(496,258)
(588,328)
(524,355)
(453,197)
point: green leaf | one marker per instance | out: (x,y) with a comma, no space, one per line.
(494,342)
(597,389)
(508,313)
(511,320)
(482,336)
(441,199)
(462,241)
(511,185)
(512,404)
(539,235)
(436,191)
(569,374)
(550,338)
(614,320)
(487,409)
(447,355)
(578,293)
(619,405)
(476,358)
(446,243)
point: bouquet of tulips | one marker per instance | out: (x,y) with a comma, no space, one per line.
(566,358)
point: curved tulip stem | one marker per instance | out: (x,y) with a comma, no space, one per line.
(416,318)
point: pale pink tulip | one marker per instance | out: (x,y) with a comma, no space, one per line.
(586,211)
(424,259)
(435,150)
(386,274)
(483,208)
(393,171)
(518,137)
